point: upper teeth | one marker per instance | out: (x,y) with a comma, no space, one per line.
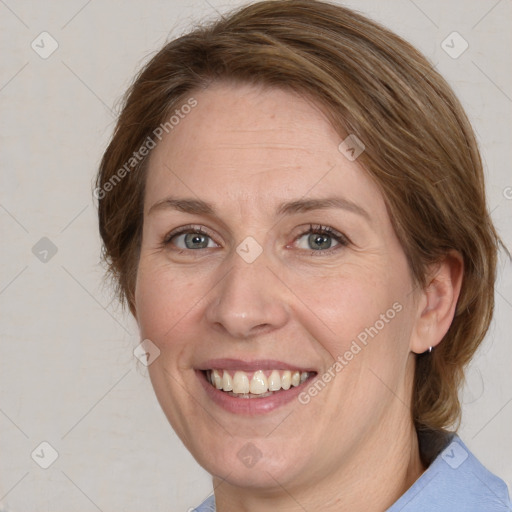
(259,383)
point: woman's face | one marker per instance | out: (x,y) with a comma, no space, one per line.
(267,252)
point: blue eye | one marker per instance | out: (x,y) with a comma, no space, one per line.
(190,239)
(320,238)
(316,239)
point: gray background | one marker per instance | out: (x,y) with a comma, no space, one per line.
(67,372)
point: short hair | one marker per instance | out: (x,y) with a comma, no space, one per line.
(420,150)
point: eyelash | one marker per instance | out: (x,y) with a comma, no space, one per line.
(342,240)
(185,230)
(318,229)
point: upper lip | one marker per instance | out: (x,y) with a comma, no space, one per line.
(259,364)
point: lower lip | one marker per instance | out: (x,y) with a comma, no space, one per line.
(251,406)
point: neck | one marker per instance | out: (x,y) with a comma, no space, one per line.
(372,479)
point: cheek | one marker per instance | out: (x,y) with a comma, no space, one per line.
(346,301)
(165,301)
(361,317)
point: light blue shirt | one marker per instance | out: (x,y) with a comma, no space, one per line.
(454,482)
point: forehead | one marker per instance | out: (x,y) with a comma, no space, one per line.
(246,143)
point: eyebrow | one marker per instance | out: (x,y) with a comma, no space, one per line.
(200,207)
(194,206)
(306,205)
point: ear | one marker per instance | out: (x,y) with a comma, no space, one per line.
(437,302)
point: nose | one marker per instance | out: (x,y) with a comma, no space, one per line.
(248,301)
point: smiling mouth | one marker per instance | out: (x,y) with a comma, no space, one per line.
(256,384)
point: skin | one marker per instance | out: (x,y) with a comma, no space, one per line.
(246,150)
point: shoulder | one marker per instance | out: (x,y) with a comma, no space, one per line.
(208,505)
(455,481)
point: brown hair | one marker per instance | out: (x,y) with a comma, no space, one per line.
(420,150)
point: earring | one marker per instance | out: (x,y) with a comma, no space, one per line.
(429,349)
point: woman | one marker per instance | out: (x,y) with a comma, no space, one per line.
(293,208)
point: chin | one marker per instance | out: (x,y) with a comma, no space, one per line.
(257,463)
